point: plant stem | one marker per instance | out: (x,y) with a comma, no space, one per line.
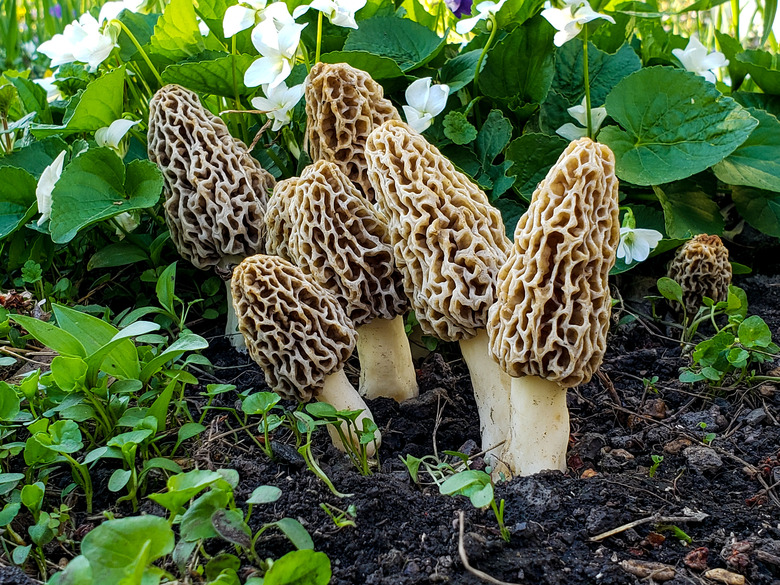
(319,37)
(141,50)
(586,80)
(493,29)
(735,17)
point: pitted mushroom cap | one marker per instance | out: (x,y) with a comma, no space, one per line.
(278,224)
(294,328)
(701,267)
(340,240)
(552,313)
(343,106)
(449,242)
(215,191)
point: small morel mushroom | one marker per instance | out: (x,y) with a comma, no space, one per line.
(215,192)
(278,224)
(701,267)
(449,244)
(549,325)
(343,106)
(297,333)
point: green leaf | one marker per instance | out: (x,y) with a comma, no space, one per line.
(176,34)
(223,76)
(9,512)
(65,436)
(458,128)
(296,533)
(491,140)
(511,212)
(688,210)
(159,408)
(262,402)
(186,342)
(264,494)
(769,12)
(187,431)
(516,12)
(166,284)
(20,554)
(69,373)
(756,163)
(119,254)
(754,332)
(196,521)
(533,155)
(764,69)
(17,199)
(141,26)
(459,71)
(673,134)
(32,496)
(183,487)
(409,44)
(10,402)
(761,209)
(731,47)
(60,341)
(230,525)
(35,157)
(119,479)
(300,567)
(377,66)
(670,289)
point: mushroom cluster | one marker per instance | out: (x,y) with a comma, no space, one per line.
(701,267)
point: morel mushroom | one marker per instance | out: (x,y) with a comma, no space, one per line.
(215,192)
(549,325)
(335,235)
(449,244)
(343,105)
(278,224)
(701,267)
(298,334)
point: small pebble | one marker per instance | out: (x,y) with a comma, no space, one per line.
(703,459)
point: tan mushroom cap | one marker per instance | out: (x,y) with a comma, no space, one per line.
(294,328)
(701,267)
(343,106)
(278,224)
(552,313)
(449,242)
(215,191)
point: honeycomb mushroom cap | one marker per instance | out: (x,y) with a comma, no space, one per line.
(278,223)
(701,267)
(215,191)
(552,313)
(449,242)
(343,106)
(294,328)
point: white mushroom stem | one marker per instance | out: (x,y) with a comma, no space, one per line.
(540,426)
(386,367)
(341,394)
(491,387)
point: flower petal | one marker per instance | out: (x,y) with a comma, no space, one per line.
(45,187)
(437,99)
(236,19)
(571,132)
(417,93)
(418,121)
(113,134)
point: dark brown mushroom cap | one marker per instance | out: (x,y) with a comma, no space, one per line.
(701,267)
(215,191)
(294,328)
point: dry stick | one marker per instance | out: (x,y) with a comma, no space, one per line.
(465,559)
(655,519)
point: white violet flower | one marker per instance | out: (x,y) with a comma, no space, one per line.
(569,20)
(110,10)
(43,191)
(203,27)
(637,243)
(126,222)
(279,103)
(80,41)
(338,12)
(696,59)
(425,103)
(241,16)
(112,135)
(484,10)
(571,132)
(47,83)
(278,48)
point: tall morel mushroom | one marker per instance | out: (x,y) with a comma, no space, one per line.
(549,325)
(449,244)
(297,333)
(215,192)
(343,106)
(701,267)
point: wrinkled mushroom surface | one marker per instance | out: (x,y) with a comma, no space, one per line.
(278,223)
(343,106)
(701,267)
(215,191)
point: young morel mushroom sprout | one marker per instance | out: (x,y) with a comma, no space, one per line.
(298,334)
(215,192)
(449,244)
(548,328)
(701,267)
(343,105)
(336,236)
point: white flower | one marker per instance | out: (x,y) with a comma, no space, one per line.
(203,27)
(277,48)
(636,243)
(49,178)
(80,41)
(339,12)
(696,59)
(110,10)
(126,222)
(484,10)
(425,103)
(279,103)
(47,83)
(571,132)
(568,21)
(241,16)
(112,135)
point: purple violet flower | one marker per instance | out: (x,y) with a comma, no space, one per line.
(459,8)
(56,11)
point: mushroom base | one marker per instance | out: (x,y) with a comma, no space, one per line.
(540,426)
(341,394)
(386,367)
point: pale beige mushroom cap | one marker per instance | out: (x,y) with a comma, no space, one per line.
(701,267)
(294,328)
(552,313)
(343,106)
(449,242)
(215,191)
(278,224)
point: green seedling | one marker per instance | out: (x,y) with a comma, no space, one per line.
(345,423)
(477,486)
(649,384)
(263,403)
(657,460)
(341,518)
(304,427)
(676,531)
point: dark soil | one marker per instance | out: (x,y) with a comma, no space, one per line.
(408,534)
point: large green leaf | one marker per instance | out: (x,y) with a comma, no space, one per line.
(516,12)
(764,69)
(141,26)
(675,133)
(17,199)
(533,154)
(688,210)
(376,66)
(51,336)
(761,209)
(300,567)
(94,187)
(35,157)
(33,97)
(221,76)
(404,41)
(756,163)
(176,34)
(459,71)
(731,47)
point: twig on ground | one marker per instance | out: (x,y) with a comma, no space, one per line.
(655,519)
(465,559)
